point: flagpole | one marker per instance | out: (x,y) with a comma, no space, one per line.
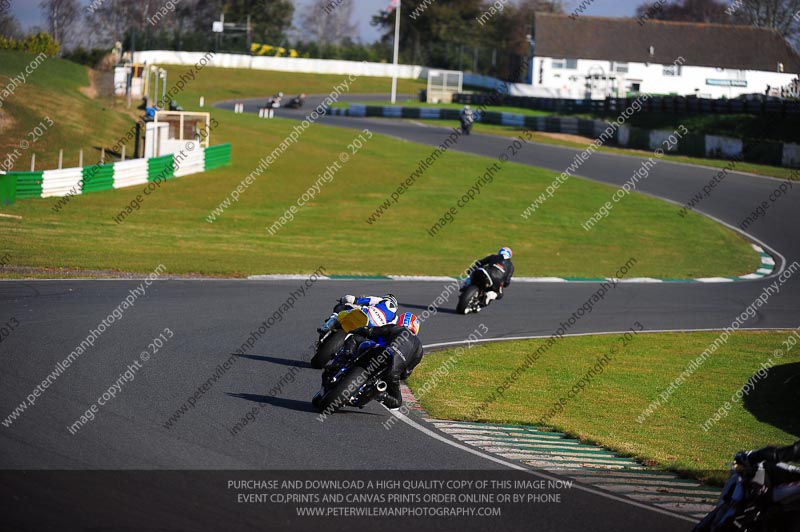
(396,49)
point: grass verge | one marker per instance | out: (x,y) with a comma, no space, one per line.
(171,225)
(60,90)
(254,83)
(605,411)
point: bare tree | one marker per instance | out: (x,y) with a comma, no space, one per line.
(61,17)
(9,26)
(708,11)
(113,19)
(328,21)
(782,16)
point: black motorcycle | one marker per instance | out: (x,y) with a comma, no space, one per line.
(354,379)
(473,292)
(754,500)
(297,102)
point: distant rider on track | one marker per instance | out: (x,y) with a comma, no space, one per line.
(500,269)
(467,117)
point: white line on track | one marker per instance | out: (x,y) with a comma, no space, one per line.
(600,333)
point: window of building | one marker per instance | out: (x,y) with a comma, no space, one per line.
(571,64)
(672,70)
(619,67)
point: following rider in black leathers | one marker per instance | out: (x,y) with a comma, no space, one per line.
(400,341)
(500,269)
(773,455)
(790,453)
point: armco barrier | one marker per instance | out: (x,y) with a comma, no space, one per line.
(74,181)
(217,156)
(131,173)
(98,177)
(29,184)
(60,182)
(751,150)
(160,168)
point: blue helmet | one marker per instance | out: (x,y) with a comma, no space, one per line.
(505,253)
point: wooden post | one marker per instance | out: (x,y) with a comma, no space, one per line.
(60,159)
(102,156)
(33,162)
(123,152)
(80,159)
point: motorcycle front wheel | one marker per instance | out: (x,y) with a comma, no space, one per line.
(343,392)
(327,348)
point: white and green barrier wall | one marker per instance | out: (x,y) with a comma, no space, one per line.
(697,145)
(73,181)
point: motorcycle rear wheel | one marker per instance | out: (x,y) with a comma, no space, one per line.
(343,392)
(465,300)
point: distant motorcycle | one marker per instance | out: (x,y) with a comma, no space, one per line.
(752,500)
(334,331)
(473,292)
(274,101)
(466,119)
(356,380)
(297,102)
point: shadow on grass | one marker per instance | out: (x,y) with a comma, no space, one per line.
(775,398)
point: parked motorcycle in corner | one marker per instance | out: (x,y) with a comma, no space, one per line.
(755,500)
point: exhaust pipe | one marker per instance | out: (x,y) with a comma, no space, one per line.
(381,386)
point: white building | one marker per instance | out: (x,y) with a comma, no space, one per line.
(592,57)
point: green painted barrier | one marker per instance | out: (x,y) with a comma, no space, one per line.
(217,156)
(29,184)
(160,168)
(98,177)
(8,188)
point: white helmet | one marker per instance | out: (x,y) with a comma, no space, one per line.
(391,301)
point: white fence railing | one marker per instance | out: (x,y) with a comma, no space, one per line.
(282,64)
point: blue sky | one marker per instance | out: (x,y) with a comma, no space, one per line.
(29,14)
